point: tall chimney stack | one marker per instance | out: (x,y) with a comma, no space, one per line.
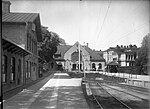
(87,44)
(6,6)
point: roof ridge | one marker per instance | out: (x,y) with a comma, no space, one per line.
(22,13)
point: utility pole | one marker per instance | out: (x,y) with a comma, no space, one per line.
(79,34)
(79,57)
(84,66)
(0,70)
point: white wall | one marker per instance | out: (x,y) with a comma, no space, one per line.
(96,65)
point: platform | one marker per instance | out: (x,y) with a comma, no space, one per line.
(60,92)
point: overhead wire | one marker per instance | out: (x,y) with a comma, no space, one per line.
(135,30)
(98,20)
(129,15)
(104,19)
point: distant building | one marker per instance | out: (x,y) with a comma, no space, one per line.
(121,56)
(67,58)
(20,34)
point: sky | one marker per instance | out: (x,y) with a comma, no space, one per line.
(100,23)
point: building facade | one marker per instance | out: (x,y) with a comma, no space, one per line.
(20,34)
(121,56)
(67,57)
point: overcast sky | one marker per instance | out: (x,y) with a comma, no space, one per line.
(100,23)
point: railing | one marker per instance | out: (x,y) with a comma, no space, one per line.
(131,79)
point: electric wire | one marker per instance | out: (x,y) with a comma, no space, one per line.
(127,34)
(129,15)
(98,19)
(104,19)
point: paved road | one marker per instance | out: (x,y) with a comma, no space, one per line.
(57,91)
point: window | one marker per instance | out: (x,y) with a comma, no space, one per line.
(36,48)
(19,72)
(29,69)
(4,69)
(30,43)
(32,46)
(93,67)
(26,69)
(33,27)
(35,67)
(99,66)
(52,65)
(27,41)
(12,65)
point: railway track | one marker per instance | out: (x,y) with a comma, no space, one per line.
(134,97)
(128,93)
(136,89)
(106,100)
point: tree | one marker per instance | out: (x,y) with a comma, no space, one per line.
(49,44)
(143,55)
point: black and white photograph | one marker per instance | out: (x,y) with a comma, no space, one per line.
(75,54)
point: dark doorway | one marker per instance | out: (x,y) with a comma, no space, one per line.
(60,67)
(73,66)
(80,66)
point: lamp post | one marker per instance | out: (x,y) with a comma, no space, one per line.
(84,60)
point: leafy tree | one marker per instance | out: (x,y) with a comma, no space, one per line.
(49,44)
(143,55)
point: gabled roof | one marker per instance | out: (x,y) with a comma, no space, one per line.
(62,49)
(94,55)
(19,17)
(9,17)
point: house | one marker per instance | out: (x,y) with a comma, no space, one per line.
(20,34)
(120,56)
(67,58)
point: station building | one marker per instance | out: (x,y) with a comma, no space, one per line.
(67,58)
(20,34)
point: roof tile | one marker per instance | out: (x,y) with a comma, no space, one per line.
(19,17)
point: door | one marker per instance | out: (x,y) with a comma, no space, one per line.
(73,66)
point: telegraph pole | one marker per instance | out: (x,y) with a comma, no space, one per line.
(79,57)
(79,34)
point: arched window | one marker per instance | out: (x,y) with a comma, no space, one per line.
(99,66)
(4,69)
(13,70)
(75,56)
(52,65)
(93,67)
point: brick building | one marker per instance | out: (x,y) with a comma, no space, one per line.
(20,34)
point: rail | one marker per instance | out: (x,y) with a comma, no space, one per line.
(114,97)
(124,92)
(100,104)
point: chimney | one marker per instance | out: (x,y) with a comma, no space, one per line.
(87,44)
(6,6)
